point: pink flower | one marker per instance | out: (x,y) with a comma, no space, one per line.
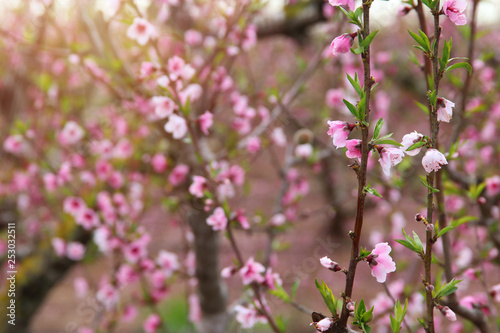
(59,246)
(278,219)
(334,98)
(206,121)
(195,314)
(218,219)
(304,151)
(88,219)
(380,262)
(278,137)
(74,206)
(75,251)
(159,163)
(493,185)
(349,3)
(177,126)
(70,134)
(163,105)
(454,9)
(193,37)
(129,313)
(141,30)
(339,131)
(198,186)
(175,67)
(495,293)
(342,44)
(248,317)
(178,174)
(152,323)
(168,261)
(330,264)
(81,287)
(445,109)
(390,157)
(353,148)
(135,251)
(13,144)
(253,145)
(272,279)
(433,159)
(410,139)
(450,315)
(252,271)
(325,323)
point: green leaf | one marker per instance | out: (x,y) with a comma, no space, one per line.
(414,244)
(280,293)
(355,84)
(425,39)
(352,108)
(465,65)
(388,142)
(456,223)
(328,297)
(432,97)
(475,190)
(422,107)
(295,287)
(366,42)
(424,43)
(447,289)
(358,50)
(361,108)
(446,51)
(416,145)
(373,191)
(424,182)
(378,128)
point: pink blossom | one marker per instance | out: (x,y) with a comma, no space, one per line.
(410,139)
(334,98)
(390,157)
(495,293)
(353,148)
(116,180)
(252,271)
(433,160)
(444,109)
(325,323)
(81,287)
(50,181)
(278,219)
(168,261)
(330,264)
(88,219)
(195,313)
(349,3)
(382,263)
(450,315)
(129,313)
(74,206)
(454,9)
(135,251)
(341,44)
(278,137)
(227,272)
(304,151)
(242,219)
(492,185)
(177,126)
(141,30)
(198,186)
(59,246)
(271,279)
(248,317)
(159,163)
(193,37)
(70,134)
(339,131)
(218,219)
(75,251)
(103,169)
(147,69)
(163,105)
(175,67)
(13,144)
(178,174)
(253,144)
(152,323)
(126,275)
(206,121)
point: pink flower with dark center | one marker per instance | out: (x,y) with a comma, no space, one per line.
(75,251)
(218,219)
(88,219)
(495,293)
(353,148)
(380,262)
(390,157)
(175,67)
(454,9)
(13,144)
(433,159)
(236,175)
(159,163)
(70,134)
(493,185)
(410,139)
(163,105)
(444,109)
(168,261)
(74,206)
(339,131)
(141,30)
(342,44)
(152,323)
(178,174)
(198,186)
(177,126)
(252,272)
(206,121)
(330,264)
(349,3)
(135,251)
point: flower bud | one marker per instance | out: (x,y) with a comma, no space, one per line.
(429,227)
(419,217)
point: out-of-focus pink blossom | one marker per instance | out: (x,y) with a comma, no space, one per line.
(74,206)
(444,109)
(382,263)
(75,251)
(164,106)
(141,31)
(178,174)
(271,279)
(70,134)
(193,37)
(410,139)
(253,144)
(88,219)
(168,261)
(433,160)
(252,272)
(335,98)
(129,313)
(195,313)
(349,3)
(59,246)
(177,126)
(492,185)
(81,287)
(152,323)
(198,186)
(159,163)
(13,144)
(390,157)
(248,317)
(304,150)
(454,9)
(218,220)
(278,219)
(206,121)
(278,137)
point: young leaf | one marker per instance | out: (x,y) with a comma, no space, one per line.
(372,191)
(328,297)
(447,289)
(416,145)
(388,142)
(355,84)
(352,108)
(366,42)
(424,46)
(460,65)
(378,128)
